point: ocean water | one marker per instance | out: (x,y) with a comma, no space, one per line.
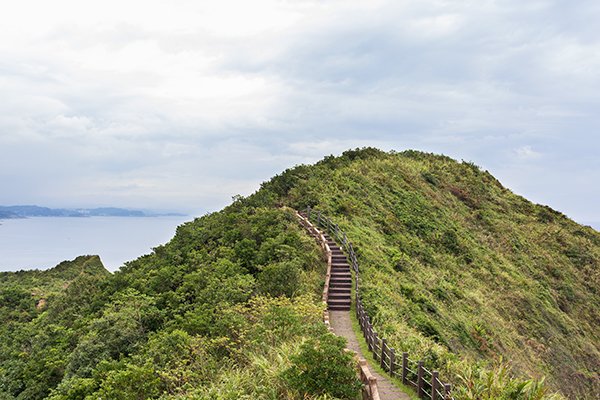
(43,242)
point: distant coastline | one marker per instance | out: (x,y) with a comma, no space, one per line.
(25,211)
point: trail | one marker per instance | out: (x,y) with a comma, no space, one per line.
(339,316)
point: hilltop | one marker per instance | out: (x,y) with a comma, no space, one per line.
(459,269)
(480,283)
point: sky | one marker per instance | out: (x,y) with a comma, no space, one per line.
(180,105)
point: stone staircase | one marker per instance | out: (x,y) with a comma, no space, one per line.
(340,282)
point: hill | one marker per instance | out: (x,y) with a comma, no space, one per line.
(23,292)
(460,270)
(456,269)
(229,308)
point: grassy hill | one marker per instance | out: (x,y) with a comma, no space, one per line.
(461,271)
(482,284)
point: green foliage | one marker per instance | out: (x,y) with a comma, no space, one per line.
(200,315)
(323,368)
(496,383)
(457,267)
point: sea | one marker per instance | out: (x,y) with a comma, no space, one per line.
(44,242)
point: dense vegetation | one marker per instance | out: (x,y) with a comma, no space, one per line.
(493,290)
(460,271)
(227,310)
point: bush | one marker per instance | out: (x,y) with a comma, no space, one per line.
(280,279)
(322,367)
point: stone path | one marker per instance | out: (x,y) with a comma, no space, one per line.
(342,326)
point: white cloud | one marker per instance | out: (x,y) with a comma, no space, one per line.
(160,102)
(527,153)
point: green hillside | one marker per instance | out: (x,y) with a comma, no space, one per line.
(459,270)
(493,290)
(229,309)
(24,293)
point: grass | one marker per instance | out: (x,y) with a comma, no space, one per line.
(374,364)
(459,271)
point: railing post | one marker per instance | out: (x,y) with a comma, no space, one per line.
(308,212)
(383,343)
(404,367)
(420,379)
(392,361)
(374,347)
(447,390)
(434,385)
(368,333)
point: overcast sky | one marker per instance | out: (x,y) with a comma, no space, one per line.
(182,104)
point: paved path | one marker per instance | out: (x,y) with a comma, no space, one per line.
(342,326)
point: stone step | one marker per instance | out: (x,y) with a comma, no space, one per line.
(339,296)
(339,308)
(340,290)
(341,286)
(340,283)
(331,301)
(339,264)
(339,305)
(339,259)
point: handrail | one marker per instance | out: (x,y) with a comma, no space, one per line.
(432,388)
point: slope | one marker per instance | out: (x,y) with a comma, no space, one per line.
(228,309)
(460,270)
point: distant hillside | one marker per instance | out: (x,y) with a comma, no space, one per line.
(460,270)
(7,212)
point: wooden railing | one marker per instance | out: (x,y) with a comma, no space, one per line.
(426,383)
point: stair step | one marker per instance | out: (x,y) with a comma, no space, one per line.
(346,286)
(335,281)
(341,264)
(340,290)
(339,296)
(331,301)
(340,283)
(340,270)
(344,271)
(345,268)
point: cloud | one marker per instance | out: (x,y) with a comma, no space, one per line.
(527,153)
(152,103)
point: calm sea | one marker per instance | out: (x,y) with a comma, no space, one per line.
(43,242)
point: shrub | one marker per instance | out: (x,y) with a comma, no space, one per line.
(279,279)
(322,367)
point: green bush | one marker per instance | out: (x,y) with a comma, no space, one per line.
(322,367)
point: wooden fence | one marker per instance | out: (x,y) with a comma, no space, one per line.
(426,383)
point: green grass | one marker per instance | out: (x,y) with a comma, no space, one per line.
(374,364)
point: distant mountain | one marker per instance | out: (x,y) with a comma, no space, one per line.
(7,212)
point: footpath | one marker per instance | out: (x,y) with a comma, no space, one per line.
(337,294)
